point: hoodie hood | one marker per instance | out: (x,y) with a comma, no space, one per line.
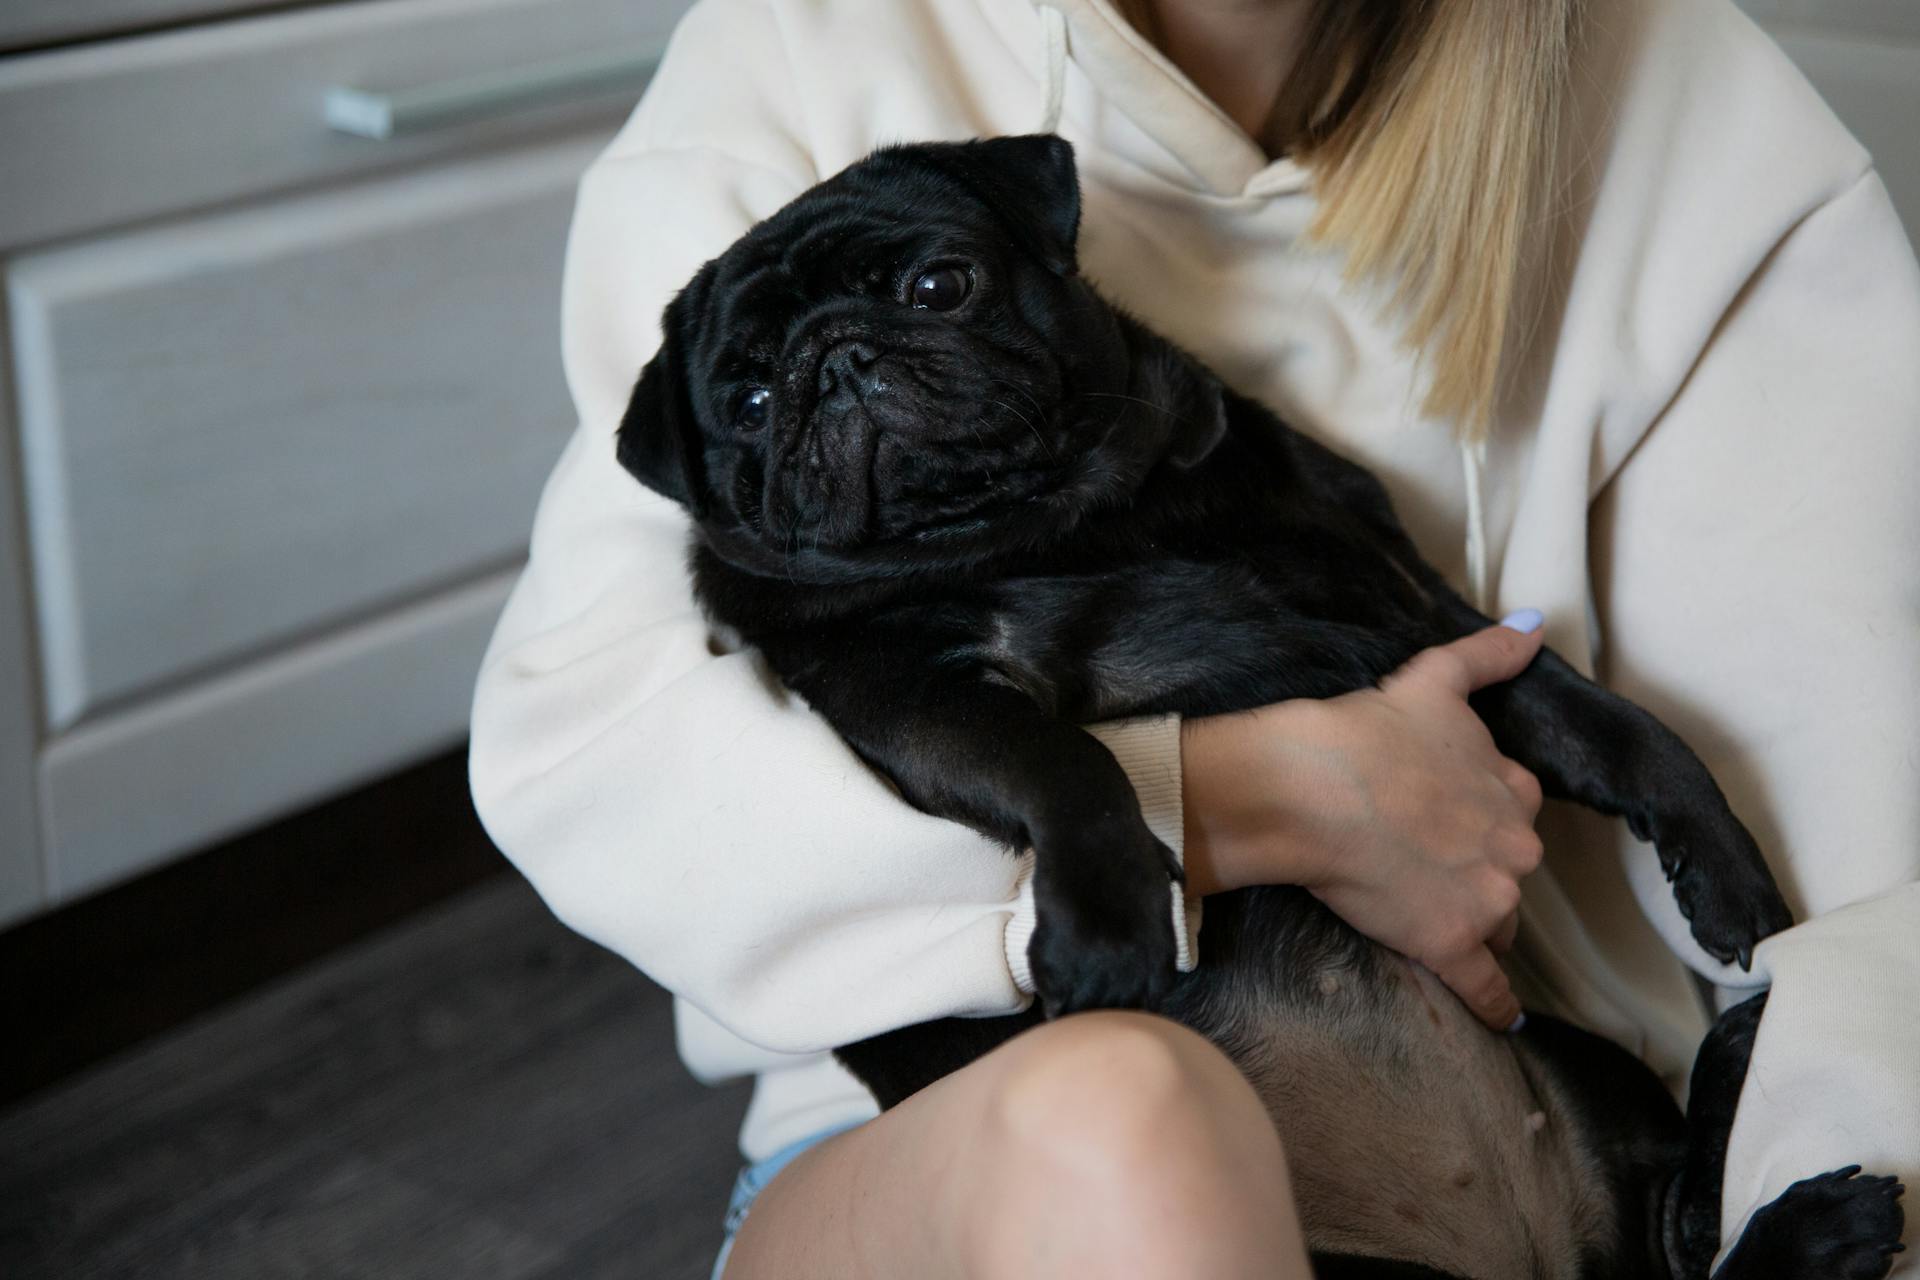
(1123,67)
(1221,159)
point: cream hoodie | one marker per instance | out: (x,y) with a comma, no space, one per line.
(1709,480)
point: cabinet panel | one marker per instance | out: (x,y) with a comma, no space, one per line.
(21,887)
(230,753)
(25,24)
(250,426)
(103,134)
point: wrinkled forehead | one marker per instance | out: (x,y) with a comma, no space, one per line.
(850,237)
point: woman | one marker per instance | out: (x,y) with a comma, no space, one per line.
(1626,323)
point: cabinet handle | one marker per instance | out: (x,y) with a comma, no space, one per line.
(367,113)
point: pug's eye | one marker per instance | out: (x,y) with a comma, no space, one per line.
(751,412)
(941,288)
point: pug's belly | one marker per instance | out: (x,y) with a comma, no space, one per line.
(1410,1131)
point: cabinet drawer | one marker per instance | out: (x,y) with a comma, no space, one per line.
(100,135)
(252,426)
(167,775)
(25,24)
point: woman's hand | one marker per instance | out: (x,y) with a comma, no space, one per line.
(1391,805)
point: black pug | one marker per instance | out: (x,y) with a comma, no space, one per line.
(963,506)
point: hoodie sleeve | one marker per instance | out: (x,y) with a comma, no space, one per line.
(669,799)
(1758,579)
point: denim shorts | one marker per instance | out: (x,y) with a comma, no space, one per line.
(753,1180)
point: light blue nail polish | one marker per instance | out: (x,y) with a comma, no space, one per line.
(1524,621)
(1518,1023)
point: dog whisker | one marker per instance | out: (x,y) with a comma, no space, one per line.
(1028,423)
(1020,391)
(1114,395)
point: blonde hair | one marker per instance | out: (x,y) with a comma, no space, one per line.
(1433,128)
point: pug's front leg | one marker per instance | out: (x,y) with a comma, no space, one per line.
(962,746)
(1104,932)
(1594,747)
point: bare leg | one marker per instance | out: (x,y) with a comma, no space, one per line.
(1103,1144)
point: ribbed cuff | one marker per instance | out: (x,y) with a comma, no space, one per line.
(1149,751)
(1020,927)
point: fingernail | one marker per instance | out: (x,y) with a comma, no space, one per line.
(1518,1023)
(1525,621)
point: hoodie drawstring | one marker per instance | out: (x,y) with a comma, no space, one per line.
(1055,24)
(1473,460)
(1473,456)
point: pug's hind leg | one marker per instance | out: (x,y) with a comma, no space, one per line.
(1713,1094)
(1837,1226)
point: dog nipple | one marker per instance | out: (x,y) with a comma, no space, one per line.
(1536,1121)
(1329,984)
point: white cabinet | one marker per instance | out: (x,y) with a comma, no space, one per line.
(259,448)
(22,876)
(121,130)
(281,399)
(230,751)
(26,24)
(248,427)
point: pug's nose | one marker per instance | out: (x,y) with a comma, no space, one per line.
(850,368)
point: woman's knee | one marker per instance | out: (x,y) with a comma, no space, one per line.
(1109,1080)
(1104,1144)
(1125,1133)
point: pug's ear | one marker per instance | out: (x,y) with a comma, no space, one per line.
(1200,424)
(1190,395)
(1031,181)
(659,437)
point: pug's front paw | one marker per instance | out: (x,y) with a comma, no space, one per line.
(1722,885)
(1104,934)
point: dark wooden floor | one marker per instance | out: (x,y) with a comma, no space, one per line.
(115,968)
(472,1093)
